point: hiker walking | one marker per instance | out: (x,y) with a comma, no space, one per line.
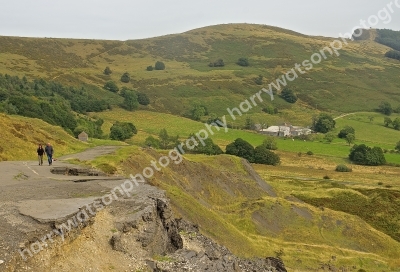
(40,152)
(49,152)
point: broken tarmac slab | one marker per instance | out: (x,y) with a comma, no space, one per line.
(53,210)
(74,171)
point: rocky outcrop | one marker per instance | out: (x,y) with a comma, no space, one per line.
(152,227)
(174,244)
(202,254)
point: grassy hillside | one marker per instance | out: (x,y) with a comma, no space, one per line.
(358,80)
(20,137)
(222,196)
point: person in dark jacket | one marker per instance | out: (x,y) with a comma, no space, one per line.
(40,152)
(49,152)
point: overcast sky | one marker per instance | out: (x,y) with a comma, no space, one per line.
(135,19)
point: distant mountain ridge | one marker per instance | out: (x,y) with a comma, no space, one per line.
(358,80)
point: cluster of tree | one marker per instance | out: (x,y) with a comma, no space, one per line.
(52,102)
(394,123)
(323,123)
(198,111)
(122,130)
(132,98)
(393,54)
(217,63)
(90,126)
(220,62)
(158,66)
(209,147)
(288,95)
(345,131)
(164,140)
(389,38)
(243,62)
(348,133)
(386,108)
(261,154)
(365,155)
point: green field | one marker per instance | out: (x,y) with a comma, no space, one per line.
(150,123)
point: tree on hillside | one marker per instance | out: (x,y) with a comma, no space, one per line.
(249,124)
(288,95)
(396,123)
(111,86)
(209,148)
(346,130)
(387,121)
(397,146)
(152,142)
(364,155)
(107,71)
(241,148)
(167,141)
(122,130)
(329,137)
(214,119)
(264,156)
(270,143)
(125,77)
(324,123)
(143,99)
(270,110)
(159,65)
(243,62)
(386,108)
(150,68)
(164,138)
(393,54)
(350,137)
(130,100)
(198,111)
(259,80)
(217,63)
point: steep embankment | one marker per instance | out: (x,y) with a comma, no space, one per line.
(357,80)
(231,204)
(20,137)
